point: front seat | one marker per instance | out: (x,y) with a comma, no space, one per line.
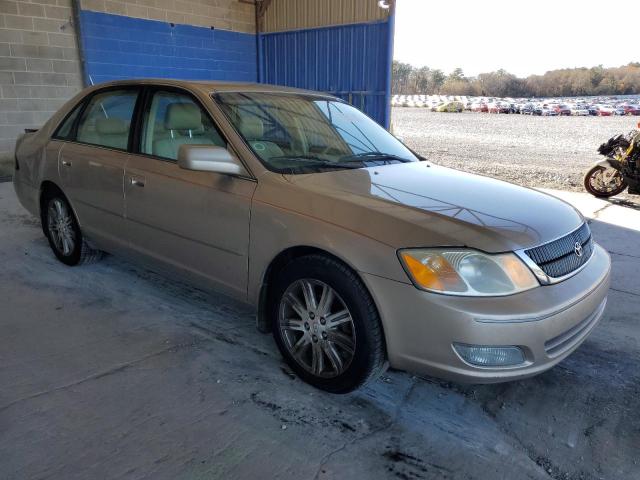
(183,121)
(252,129)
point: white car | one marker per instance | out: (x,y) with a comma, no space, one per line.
(579,111)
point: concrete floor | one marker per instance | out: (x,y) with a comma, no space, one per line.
(112,371)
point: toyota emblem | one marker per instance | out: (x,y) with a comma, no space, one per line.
(577,248)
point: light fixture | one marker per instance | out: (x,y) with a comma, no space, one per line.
(490,356)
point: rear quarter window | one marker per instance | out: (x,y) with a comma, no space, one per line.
(65,129)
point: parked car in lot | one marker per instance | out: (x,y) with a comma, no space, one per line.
(545,111)
(579,106)
(562,109)
(499,107)
(632,109)
(479,107)
(455,107)
(355,252)
(579,111)
(601,110)
(527,109)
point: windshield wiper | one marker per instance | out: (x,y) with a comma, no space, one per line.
(312,162)
(372,156)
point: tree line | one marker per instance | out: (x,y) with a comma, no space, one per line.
(625,80)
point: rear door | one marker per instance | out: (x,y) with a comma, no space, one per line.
(92,161)
(195,223)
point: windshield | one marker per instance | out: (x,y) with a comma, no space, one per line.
(305,133)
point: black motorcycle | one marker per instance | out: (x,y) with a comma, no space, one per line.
(620,170)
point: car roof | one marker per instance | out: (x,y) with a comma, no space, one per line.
(209,87)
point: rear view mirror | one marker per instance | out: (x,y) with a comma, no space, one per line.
(209,158)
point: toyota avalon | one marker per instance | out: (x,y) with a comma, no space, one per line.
(356,253)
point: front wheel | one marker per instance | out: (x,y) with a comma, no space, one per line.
(326,324)
(603,182)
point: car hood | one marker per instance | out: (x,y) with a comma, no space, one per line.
(420,204)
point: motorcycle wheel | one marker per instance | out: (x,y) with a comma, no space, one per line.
(603,184)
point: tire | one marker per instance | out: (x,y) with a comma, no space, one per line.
(303,338)
(588,184)
(61,228)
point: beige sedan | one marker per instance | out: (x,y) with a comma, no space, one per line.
(356,252)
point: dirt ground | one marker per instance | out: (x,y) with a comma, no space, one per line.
(550,152)
(113,371)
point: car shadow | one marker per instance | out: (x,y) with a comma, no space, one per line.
(624,202)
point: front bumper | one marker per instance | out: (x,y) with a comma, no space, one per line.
(547,323)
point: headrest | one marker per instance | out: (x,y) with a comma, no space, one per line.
(111,126)
(251,128)
(183,116)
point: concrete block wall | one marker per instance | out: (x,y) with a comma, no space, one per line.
(39,56)
(39,66)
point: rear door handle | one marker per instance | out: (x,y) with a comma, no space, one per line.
(66,163)
(137,181)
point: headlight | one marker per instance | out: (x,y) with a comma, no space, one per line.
(459,271)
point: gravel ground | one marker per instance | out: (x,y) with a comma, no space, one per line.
(550,152)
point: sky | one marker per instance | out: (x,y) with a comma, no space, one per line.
(523,37)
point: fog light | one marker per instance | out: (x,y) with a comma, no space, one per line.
(486,356)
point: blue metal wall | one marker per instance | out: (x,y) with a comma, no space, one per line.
(350,61)
(117,47)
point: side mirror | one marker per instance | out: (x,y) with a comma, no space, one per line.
(209,158)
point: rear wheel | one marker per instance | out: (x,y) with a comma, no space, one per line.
(603,182)
(326,324)
(63,232)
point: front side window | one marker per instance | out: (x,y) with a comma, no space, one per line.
(173,119)
(307,133)
(107,119)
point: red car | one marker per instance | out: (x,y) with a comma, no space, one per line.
(479,107)
(562,109)
(631,109)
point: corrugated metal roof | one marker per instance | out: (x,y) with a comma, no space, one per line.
(283,15)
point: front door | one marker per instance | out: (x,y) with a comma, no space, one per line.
(195,222)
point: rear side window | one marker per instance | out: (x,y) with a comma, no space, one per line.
(65,130)
(107,119)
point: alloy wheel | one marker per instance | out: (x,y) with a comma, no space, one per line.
(606,180)
(60,226)
(317,328)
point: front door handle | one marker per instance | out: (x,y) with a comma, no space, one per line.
(137,181)
(66,163)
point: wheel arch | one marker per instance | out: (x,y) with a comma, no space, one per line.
(47,186)
(278,262)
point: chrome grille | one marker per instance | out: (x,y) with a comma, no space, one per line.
(559,258)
